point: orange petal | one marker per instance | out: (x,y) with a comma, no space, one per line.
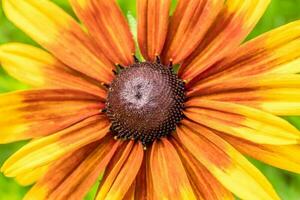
(60,34)
(121,172)
(108,27)
(153,18)
(130,195)
(77,184)
(277,51)
(233,24)
(59,171)
(142,181)
(274,93)
(188,25)
(242,121)
(170,180)
(205,185)
(113,169)
(285,157)
(127,174)
(282,102)
(244,84)
(264,95)
(45,150)
(42,70)
(35,113)
(226,164)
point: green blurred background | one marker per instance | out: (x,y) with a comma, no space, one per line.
(279,12)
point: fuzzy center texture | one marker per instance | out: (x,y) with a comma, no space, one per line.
(145,102)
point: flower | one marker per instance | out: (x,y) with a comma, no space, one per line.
(153,134)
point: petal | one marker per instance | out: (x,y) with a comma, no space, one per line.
(42,70)
(245,84)
(108,27)
(127,174)
(121,172)
(79,181)
(233,24)
(113,169)
(153,19)
(285,157)
(56,31)
(226,164)
(150,187)
(265,95)
(242,121)
(170,180)
(188,25)
(47,149)
(87,173)
(274,93)
(58,171)
(32,176)
(277,51)
(283,102)
(207,186)
(35,113)
(142,181)
(279,108)
(131,192)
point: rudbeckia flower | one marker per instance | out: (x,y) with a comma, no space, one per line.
(151,133)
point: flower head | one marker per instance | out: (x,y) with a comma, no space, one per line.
(153,133)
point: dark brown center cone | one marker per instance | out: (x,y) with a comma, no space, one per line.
(145,102)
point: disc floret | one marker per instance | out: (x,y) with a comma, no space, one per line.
(145,102)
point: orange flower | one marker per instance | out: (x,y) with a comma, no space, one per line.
(153,134)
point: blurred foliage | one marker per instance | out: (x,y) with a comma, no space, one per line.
(279,12)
